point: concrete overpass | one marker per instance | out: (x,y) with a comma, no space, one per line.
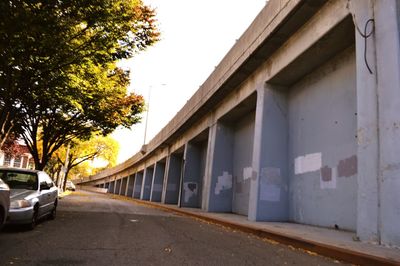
(299,122)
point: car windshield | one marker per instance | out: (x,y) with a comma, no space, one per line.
(19,180)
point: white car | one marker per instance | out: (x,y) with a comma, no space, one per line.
(33,195)
(4,202)
(70,186)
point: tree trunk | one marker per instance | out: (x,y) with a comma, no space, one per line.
(65,179)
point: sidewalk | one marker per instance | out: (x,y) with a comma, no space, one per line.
(340,245)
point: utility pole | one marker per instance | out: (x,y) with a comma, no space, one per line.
(64,169)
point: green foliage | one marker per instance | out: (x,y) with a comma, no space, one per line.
(58,78)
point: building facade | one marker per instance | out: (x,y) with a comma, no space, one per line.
(21,159)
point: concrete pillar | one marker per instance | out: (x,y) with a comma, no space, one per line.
(269,182)
(387,31)
(164,189)
(192,179)
(220,169)
(158,180)
(208,170)
(173,179)
(131,182)
(378,102)
(147,181)
(137,189)
(367,130)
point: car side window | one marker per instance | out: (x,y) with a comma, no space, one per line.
(45,180)
(43,185)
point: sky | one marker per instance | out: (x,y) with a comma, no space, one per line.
(195,36)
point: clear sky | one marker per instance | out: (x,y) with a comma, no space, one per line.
(195,36)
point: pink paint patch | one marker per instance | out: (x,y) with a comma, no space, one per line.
(347,167)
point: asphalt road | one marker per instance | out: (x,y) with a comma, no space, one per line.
(95,229)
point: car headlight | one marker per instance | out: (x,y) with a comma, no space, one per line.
(3,185)
(18,204)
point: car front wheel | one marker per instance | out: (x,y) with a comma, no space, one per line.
(53,213)
(1,218)
(34,220)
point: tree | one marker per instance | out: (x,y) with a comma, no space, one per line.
(57,67)
(80,152)
(99,105)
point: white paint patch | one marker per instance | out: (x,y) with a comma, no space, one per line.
(134,221)
(247,173)
(171,187)
(157,187)
(224,182)
(190,189)
(308,163)
(329,184)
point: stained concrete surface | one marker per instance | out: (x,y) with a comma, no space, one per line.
(91,229)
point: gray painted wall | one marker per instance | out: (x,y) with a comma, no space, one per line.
(111,187)
(138,185)
(123,186)
(191,188)
(147,181)
(173,179)
(243,137)
(158,180)
(221,164)
(117,186)
(193,174)
(323,147)
(131,183)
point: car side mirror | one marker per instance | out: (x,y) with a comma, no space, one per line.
(44,186)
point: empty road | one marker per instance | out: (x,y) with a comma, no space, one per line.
(96,229)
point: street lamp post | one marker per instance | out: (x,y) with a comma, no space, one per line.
(143,150)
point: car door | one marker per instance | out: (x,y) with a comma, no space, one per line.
(53,191)
(45,197)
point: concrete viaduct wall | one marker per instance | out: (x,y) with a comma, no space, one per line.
(299,122)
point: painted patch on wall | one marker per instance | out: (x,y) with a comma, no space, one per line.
(347,167)
(307,163)
(270,184)
(247,172)
(190,189)
(328,177)
(224,182)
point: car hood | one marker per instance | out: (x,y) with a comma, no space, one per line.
(18,194)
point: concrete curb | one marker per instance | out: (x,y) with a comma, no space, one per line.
(327,250)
